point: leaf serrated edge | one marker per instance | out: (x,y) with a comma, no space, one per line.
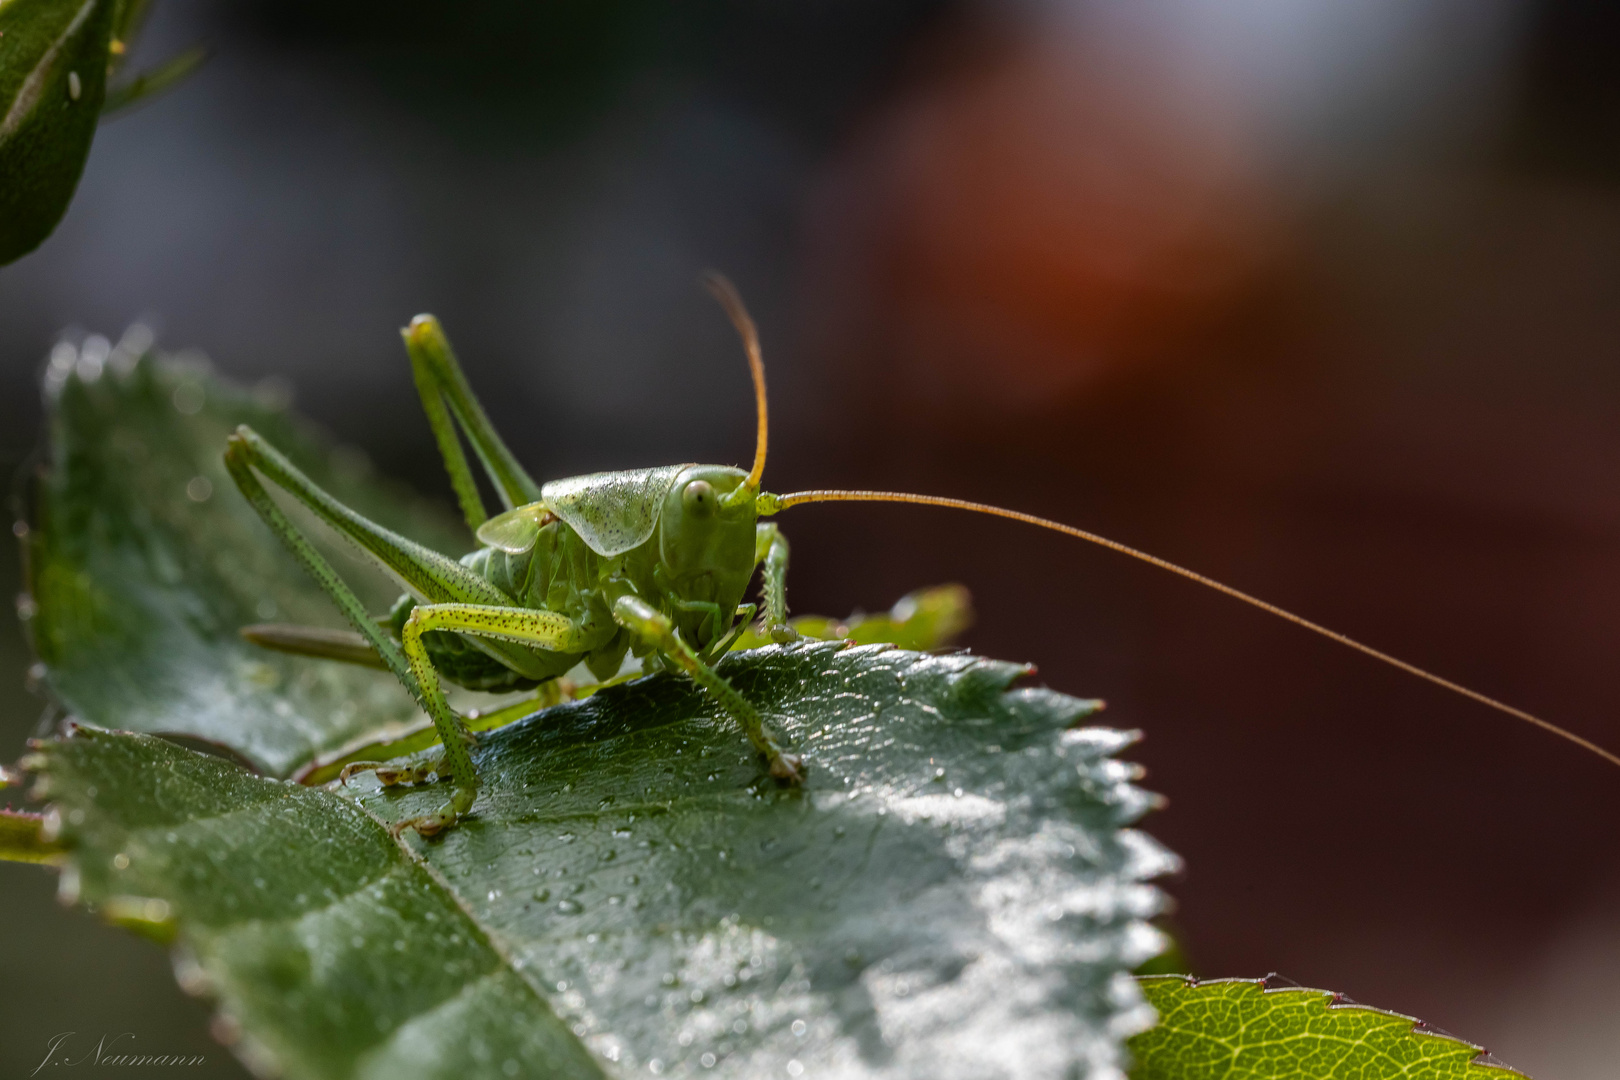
(1336,1001)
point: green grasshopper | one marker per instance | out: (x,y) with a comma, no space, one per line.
(650,562)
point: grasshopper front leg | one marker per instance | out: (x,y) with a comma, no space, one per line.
(655,628)
(771,552)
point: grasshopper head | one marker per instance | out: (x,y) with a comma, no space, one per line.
(706,534)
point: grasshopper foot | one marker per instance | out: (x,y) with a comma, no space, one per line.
(391,775)
(787,768)
(354,767)
(442,818)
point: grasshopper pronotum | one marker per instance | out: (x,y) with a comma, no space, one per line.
(652,562)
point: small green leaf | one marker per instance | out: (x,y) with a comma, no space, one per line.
(144,562)
(1237,1029)
(332,952)
(923,620)
(53,74)
(149,84)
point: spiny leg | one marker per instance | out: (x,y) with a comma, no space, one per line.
(545,629)
(431,577)
(655,628)
(316,642)
(771,550)
(445,394)
(243,451)
(425,572)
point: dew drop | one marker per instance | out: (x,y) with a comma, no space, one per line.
(569,907)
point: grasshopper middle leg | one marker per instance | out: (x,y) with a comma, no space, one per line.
(655,628)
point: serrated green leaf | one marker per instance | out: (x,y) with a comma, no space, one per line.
(1237,1029)
(144,561)
(332,951)
(923,620)
(954,893)
(53,74)
(951,894)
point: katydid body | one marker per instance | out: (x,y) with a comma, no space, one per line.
(650,562)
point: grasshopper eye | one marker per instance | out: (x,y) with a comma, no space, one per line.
(698,498)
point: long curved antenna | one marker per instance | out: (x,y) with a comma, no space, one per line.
(726,293)
(783,502)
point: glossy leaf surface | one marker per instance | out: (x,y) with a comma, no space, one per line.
(332,952)
(951,894)
(955,893)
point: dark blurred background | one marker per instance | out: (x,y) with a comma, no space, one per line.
(1321,299)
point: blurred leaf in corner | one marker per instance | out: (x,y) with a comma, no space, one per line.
(55,60)
(53,76)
